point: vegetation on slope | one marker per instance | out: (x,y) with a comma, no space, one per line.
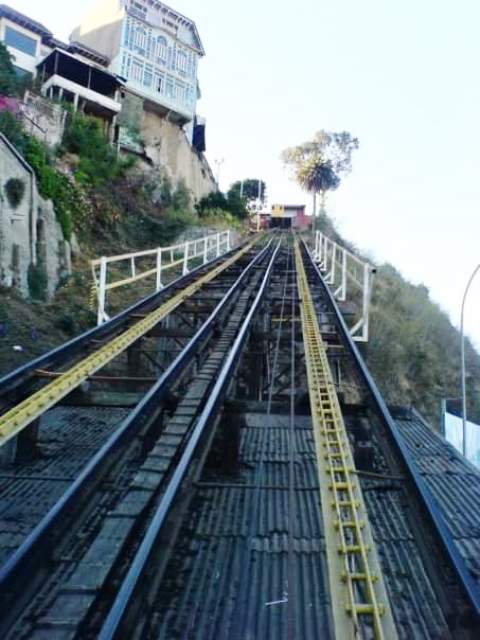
(414,350)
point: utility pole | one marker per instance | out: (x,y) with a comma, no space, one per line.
(218,164)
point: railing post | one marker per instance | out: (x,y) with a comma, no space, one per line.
(229,246)
(159,270)
(205,251)
(218,245)
(366,301)
(102,291)
(185,259)
(344,276)
(132,265)
(325,263)
(334,264)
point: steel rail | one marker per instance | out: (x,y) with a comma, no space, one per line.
(23,414)
(42,538)
(61,353)
(437,522)
(112,627)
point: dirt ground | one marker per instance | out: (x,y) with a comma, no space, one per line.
(27,330)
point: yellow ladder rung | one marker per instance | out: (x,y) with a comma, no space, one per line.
(366,609)
(346,503)
(359,577)
(342,486)
(350,524)
(353,548)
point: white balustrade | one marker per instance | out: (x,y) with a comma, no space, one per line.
(341,268)
(164,258)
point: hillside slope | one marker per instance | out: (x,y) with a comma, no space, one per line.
(414,350)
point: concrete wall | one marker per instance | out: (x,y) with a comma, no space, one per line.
(43,119)
(29,234)
(102,28)
(167,146)
(17,225)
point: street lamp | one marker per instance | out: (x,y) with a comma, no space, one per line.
(464,390)
(219,164)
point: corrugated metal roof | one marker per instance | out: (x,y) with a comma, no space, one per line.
(246,541)
(454,482)
(249,563)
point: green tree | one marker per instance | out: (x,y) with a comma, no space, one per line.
(251,189)
(217,201)
(320,164)
(9,84)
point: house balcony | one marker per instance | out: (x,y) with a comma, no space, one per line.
(90,89)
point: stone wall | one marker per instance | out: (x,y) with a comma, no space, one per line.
(43,119)
(30,235)
(167,146)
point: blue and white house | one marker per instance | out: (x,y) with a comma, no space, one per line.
(153,47)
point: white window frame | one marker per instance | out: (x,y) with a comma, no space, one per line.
(148,70)
(161,49)
(159,82)
(140,39)
(182,61)
(137,70)
(170,81)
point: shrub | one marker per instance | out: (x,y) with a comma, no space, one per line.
(214,200)
(15,190)
(232,203)
(98,161)
(37,282)
(220,218)
(66,323)
(181,197)
(9,81)
(12,129)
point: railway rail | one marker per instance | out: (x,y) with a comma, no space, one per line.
(257,486)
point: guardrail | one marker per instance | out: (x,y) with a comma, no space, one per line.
(164,258)
(341,266)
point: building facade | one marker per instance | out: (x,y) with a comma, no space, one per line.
(290,216)
(26,40)
(152,47)
(68,72)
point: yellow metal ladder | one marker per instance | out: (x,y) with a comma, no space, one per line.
(358,593)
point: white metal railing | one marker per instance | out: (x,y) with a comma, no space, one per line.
(342,267)
(155,262)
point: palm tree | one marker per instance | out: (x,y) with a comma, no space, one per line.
(319,164)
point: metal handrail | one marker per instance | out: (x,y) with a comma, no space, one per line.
(72,347)
(166,258)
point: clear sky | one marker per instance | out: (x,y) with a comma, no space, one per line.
(401,76)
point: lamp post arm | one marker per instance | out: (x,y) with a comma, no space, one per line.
(464,386)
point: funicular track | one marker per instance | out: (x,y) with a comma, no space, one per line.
(118,462)
(259,490)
